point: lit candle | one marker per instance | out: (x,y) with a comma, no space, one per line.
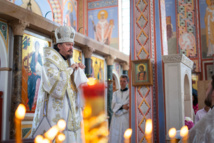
(19,116)
(60,138)
(184,134)
(172,134)
(46,141)
(94,121)
(148,130)
(91,81)
(38,139)
(61,124)
(52,132)
(127,135)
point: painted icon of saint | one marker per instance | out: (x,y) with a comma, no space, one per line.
(141,75)
(34,77)
(103,29)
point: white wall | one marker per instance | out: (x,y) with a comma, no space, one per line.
(4,85)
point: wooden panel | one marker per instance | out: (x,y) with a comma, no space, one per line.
(202,88)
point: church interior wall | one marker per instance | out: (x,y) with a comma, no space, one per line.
(65,11)
(190,18)
(143,48)
(207,61)
(171,26)
(187,19)
(147,42)
(4,75)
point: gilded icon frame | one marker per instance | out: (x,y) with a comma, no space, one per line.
(142,72)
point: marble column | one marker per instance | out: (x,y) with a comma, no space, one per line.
(125,67)
(87,54)
(178,90)
(18,28)
(110,62)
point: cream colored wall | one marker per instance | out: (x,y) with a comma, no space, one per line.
(3,84)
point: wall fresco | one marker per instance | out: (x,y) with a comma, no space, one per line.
(171,26)
(103,23)
(97,67)
(32,53)
(207,30)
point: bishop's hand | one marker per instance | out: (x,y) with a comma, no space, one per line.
(74,66)
(82,66)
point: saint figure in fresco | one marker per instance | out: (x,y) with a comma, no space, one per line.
(169,27)
(209,23)
(100,73)
(103,29)
(34,77)
(141,74)
(69,17)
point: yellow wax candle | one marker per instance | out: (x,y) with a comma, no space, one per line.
(148,130)
(172,134)
(184,134)
(19,116)
(127,135)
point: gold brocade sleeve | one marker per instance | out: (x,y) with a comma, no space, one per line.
(57,79)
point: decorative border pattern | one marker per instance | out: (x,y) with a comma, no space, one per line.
(142,50)
(100,4)
(57,11)
(80,16)
(206,75)
(198,37)
(188,24)
(152,44)
(175,58)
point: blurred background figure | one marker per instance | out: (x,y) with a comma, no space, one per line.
(120,108)
(195,100)
(202,112)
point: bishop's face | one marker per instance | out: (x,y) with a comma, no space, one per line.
(66,49)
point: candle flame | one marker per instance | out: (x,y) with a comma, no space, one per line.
(128,133)
(184,131)
(61,124)
(61,137)
(91,81)
(148,129)
(172,132)
(51,133)
(45,141)
(20,112)
(38,139)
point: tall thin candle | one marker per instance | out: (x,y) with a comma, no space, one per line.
(148,130)
(172,134)
(127,135)
(184,134)
(19,116)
